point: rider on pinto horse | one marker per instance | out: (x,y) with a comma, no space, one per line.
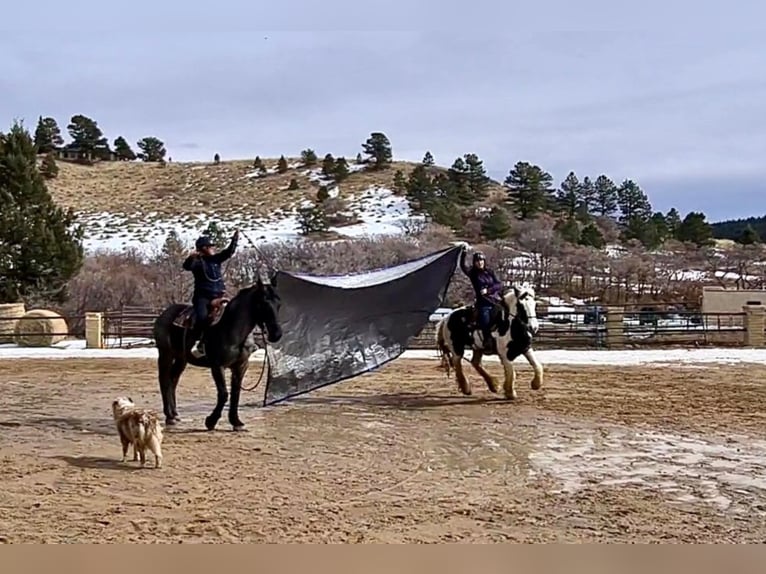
(487,288)
(205,265)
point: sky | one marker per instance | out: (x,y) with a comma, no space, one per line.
(670,94)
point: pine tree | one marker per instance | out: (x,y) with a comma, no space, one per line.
(359,159)
(152,149)
(420,190)
(216,159)
(328,165)
(497,225)
(41,244)
(635,213)
(217,234)
(695,229)
(323,194)
(47,135)
(749,236)
(309,157)
(568,229)
(672,222)
(587,199)
(591,236)
(258,164)
(456,184)
(605,197)
(293,185)
(87,136)
(48,168)
(340,172)
(528,188)
(122,149)
(478,181)
(282,164)
(378,148)
(569,195)
(312,219)
(428,159)
(400,183)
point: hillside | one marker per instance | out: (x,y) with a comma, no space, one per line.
(735,229)
(138,203)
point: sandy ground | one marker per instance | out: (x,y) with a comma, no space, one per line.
(623,454)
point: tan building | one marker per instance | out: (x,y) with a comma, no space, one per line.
(717,302)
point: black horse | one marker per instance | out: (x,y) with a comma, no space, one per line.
(228,344)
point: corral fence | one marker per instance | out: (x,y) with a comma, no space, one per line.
(575,327)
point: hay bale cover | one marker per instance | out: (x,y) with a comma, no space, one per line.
(40,328)
(9,315)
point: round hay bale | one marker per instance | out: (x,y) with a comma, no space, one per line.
(9,316)
(40,328)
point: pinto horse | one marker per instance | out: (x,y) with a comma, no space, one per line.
(513,323)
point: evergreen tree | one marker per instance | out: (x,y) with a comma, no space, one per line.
(695,229)
(604,197)
(323,194)
(569,195)
(497,225)
(309,157)
(258,164)
(293,185)
(47,135)
(635,213)
(400,183)
(456,184)
(749,236)
(478,182)
(529,189)
(87,136)
(122,149)
(41,245)
(152,149)
(359,159)
(420,190)
(312,219)
(591,236)
(48,168)
(216,159)
(340,171)
(656,231)
(282,164)
(588,199)
(217,234)
(428,159)
(568,229)
(378,148)
(672,222)
(328,165)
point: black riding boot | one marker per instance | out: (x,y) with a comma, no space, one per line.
(199,350)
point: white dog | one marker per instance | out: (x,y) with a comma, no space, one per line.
(139,427)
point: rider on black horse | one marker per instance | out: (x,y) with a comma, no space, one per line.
(487,288)
(205,265)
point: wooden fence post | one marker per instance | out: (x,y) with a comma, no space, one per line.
(615,329)
(94,330)
(754,325)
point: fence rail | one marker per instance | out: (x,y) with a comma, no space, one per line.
(576,329)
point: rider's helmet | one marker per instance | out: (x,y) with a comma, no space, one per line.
(203,241)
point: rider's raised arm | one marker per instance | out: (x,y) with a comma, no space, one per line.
(463,266)
(226,253)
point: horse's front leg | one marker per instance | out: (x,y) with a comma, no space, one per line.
(509,383)
(222,396)
(457,364)
(476,362)
(179,366)
(238,371)
(537,380)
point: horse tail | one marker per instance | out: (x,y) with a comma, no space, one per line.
(441,345)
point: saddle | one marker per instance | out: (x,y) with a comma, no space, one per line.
(185,319)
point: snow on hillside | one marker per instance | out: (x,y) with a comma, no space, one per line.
(378,209)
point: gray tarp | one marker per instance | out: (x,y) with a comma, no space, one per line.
(337,327)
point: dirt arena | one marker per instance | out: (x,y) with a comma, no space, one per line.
(623,454)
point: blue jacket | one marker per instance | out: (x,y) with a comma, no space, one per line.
(480,279)
(206,269)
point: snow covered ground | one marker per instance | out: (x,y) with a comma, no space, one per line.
(75,349)
(378,209)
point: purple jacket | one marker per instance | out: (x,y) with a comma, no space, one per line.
(480,279)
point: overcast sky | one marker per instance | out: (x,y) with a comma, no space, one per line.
(680,109)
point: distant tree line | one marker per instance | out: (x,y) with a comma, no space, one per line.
(88,142)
